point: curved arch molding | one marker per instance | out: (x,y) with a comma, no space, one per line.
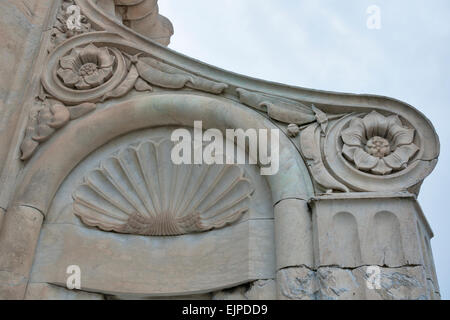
(54,161)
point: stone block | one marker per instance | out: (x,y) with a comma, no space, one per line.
(366,229)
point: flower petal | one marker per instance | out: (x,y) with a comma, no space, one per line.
(400,157)
(354,135)
(72,61)
(400,136)
(94,79)
(363,160)
(105,73)
(89,54)
(381,168)
(375,124)
(349,152)
(105,59)
(392,120)
(82,85)
(69,77)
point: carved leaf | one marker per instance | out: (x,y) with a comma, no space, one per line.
(125,86)
(206,85)
(321,118)
(142,86)
(140,191)
(159,78)
(61,116)
(288,113)
(44,122)
(28,147)
(277,108)
(170,80)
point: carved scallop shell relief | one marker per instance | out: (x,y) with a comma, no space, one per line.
(140,191)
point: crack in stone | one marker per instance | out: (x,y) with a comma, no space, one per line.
(351,268)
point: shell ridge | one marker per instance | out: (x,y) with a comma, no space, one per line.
(173,188)
(93,218)
(104,227)
(123,192)
(91,185)
(220,196)
(160,179)
(134,184)
(183,187)
(211,189)
(93,207)
(189,200)
(145,170)
(223,209)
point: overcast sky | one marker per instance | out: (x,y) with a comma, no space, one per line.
(325,44)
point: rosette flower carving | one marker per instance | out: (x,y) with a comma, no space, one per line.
(377,144)
(86,68)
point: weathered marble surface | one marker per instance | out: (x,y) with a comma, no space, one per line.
(344,199)
(145,267)
(22,27)
(17,247)
(335,283)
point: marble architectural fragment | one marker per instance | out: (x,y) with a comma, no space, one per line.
(89,98)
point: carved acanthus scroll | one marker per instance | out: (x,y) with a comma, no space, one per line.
(298,114)
(79,72)
(371,144)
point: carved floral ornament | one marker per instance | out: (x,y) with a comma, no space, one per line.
(90,73)
(378,144)
(99,73)
(86,68)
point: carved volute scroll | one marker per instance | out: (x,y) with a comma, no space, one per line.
(140,191)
